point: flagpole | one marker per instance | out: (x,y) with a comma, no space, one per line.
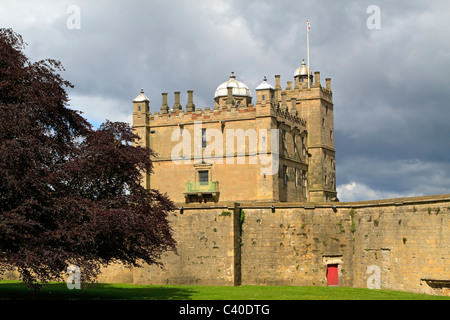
(307,48)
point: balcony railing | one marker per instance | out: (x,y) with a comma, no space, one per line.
(200,187)
(202,192)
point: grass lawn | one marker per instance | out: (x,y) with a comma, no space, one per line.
(16,290)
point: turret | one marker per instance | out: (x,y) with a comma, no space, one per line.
(264,92)
(301,76)
(141,125)
(140,110)
(141,103)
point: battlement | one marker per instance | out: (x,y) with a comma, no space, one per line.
(232,101)
(231,112)
(301,91)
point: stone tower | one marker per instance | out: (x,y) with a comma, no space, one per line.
(141,125)
(316,106)
(292,127)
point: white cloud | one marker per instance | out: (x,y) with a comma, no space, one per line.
(97,109)
(26,14)
(354,191)
(372,179)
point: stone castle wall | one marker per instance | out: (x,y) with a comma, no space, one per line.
(205,250)
(291,244)
(407,239)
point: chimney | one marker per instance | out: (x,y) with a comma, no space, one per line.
(328,84)
(177,105)
(317,76)
(190,106)
(164,106)
(277,82)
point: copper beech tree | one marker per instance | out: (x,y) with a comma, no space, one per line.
(69,194)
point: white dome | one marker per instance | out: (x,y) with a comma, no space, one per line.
(303,70)
(264,85)
(141,97)
(239,88)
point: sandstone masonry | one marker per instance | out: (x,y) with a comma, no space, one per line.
(294,244)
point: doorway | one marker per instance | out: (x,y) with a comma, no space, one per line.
(332,275)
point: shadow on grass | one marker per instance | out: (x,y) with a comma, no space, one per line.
(59,291)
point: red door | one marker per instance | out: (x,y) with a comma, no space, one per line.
(332,275)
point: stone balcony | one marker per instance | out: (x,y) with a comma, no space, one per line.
(202,192)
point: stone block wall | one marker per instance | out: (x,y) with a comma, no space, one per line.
(205,250)
(288,245)
(409,241)
(403,243)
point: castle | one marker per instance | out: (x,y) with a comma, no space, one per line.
(291,131)
(265,212)
(255,188)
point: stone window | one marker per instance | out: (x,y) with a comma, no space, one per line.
(303,146)
(203,138)
(203,177)
(295,143)
(305,182)
(296,176)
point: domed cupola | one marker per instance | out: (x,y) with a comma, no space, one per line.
(303,70)
(301,75)
(239,90)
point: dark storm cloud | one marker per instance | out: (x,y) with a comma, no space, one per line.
(390,86)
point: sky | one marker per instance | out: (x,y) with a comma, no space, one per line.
(389,62)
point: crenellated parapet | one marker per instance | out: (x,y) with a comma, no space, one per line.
(291,117)
(190,113)
(177,114)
